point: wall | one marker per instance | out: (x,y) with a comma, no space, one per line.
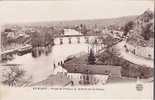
(79,78)
(101,78)
(141,51)
(75,77)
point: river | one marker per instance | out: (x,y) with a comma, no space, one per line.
(41,67)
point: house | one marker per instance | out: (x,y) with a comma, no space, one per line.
(82,73)
(11,35)
(145,52)
(92,74)
(71,32)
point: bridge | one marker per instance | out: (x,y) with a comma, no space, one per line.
(19,51)
(71,37)
(26,47)
(67,39)
(74,39)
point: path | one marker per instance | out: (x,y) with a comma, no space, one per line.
(133,58)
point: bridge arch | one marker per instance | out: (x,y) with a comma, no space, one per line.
(78,40)
(61,41)
(75,40)
(70,40)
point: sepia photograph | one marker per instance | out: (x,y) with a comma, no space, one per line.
(76,49)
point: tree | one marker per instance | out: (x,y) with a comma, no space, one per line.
(8,30)
(145,72)
(91,57)
(110,56)
(146,31)
(84,29)
(13,76)
(128,27)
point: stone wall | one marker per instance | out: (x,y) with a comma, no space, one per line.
(146,52)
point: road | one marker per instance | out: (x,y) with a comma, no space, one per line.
(131,57)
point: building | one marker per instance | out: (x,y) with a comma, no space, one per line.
(92,74)
(145,52)
(72,36)
(69,32)
(82,73)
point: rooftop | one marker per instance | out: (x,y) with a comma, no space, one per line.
(71,32)
(80,65)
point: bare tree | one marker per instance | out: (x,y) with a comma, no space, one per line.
(13,76)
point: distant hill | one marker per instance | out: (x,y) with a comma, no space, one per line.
(120,21)
(143,30)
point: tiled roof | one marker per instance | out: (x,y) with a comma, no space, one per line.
(80,65)
(92,69)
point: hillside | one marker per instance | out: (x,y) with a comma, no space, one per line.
(142,33)
(120,21)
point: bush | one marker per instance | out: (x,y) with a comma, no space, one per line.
(128,69)
(147,31)
(145,72)
(13,76)
(128,27)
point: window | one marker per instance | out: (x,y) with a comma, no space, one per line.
(149,55)
(68,76)
(61,41)
(54,66)
(61,63)
(95,40)
(87,40)
(84,77)
(107,72)
(80,77)
(87,77)
(70,41)
(58,63)
(78,40)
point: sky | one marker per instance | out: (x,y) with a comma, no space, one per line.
(35,11)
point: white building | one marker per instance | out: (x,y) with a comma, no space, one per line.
(146,52)
(71,32)
(73,37)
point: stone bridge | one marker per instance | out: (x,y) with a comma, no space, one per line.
(71,40)
(74,39)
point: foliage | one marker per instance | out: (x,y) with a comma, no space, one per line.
(128,69)
(13,76)
(91,57)
(147,31)
(128,27)
(143,31)
(145,72)
(84,29)
(8,30)
(109,57)
(108,40)
(41,38)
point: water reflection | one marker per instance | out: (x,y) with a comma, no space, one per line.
(40,67)
(38,51)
